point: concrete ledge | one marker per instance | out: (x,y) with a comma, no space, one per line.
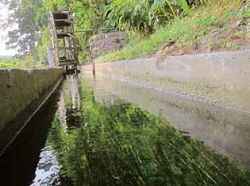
(21,92)
(222,77)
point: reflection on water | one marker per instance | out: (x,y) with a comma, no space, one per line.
(48,169)
(118,143)
(69,111)
(100,137)
(227,131)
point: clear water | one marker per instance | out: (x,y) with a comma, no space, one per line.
(98,131)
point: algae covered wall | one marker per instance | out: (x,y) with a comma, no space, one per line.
(222,77)
(20,88)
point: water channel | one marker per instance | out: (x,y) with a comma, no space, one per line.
(101,131)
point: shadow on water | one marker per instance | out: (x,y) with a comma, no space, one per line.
(18,164)
(121,144)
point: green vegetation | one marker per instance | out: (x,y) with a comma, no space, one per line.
(202,29)
(192,25)
(180,31)
(21,62)
(143,16)
(6,63)
(122,144)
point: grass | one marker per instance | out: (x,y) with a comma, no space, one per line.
(186,32)
(6,65)
(24,62)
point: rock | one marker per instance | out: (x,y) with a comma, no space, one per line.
(104,43)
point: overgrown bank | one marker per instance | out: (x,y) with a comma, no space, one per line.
(216,26)
(91,17)
(172,26)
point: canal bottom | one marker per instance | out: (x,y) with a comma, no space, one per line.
(85,135)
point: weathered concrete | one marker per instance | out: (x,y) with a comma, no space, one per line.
(222,78)
(21,92)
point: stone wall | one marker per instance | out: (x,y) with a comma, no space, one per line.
(103,43)
(217,78)
(21,92)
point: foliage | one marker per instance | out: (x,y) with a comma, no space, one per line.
(186,32)
(23,37)
(143,15)
(43,45)
(26,61)
(40,18)
(89,15)
(6,63)
(128,15)
(31,18)
(21,62)
(132,16)
(178,31)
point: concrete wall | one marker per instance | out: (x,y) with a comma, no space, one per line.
(21,92)
(218,78)
(103,43)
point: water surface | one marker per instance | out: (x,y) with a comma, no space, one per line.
(98,131)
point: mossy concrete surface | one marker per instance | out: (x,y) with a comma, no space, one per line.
(222,77)
(19,88)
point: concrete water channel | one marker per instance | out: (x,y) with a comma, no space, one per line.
(101,131)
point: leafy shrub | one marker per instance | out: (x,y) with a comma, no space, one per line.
(6,65)
(144,15)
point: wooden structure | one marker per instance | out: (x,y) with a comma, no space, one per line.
(62,39)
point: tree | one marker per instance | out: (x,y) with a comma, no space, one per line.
(24,36)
